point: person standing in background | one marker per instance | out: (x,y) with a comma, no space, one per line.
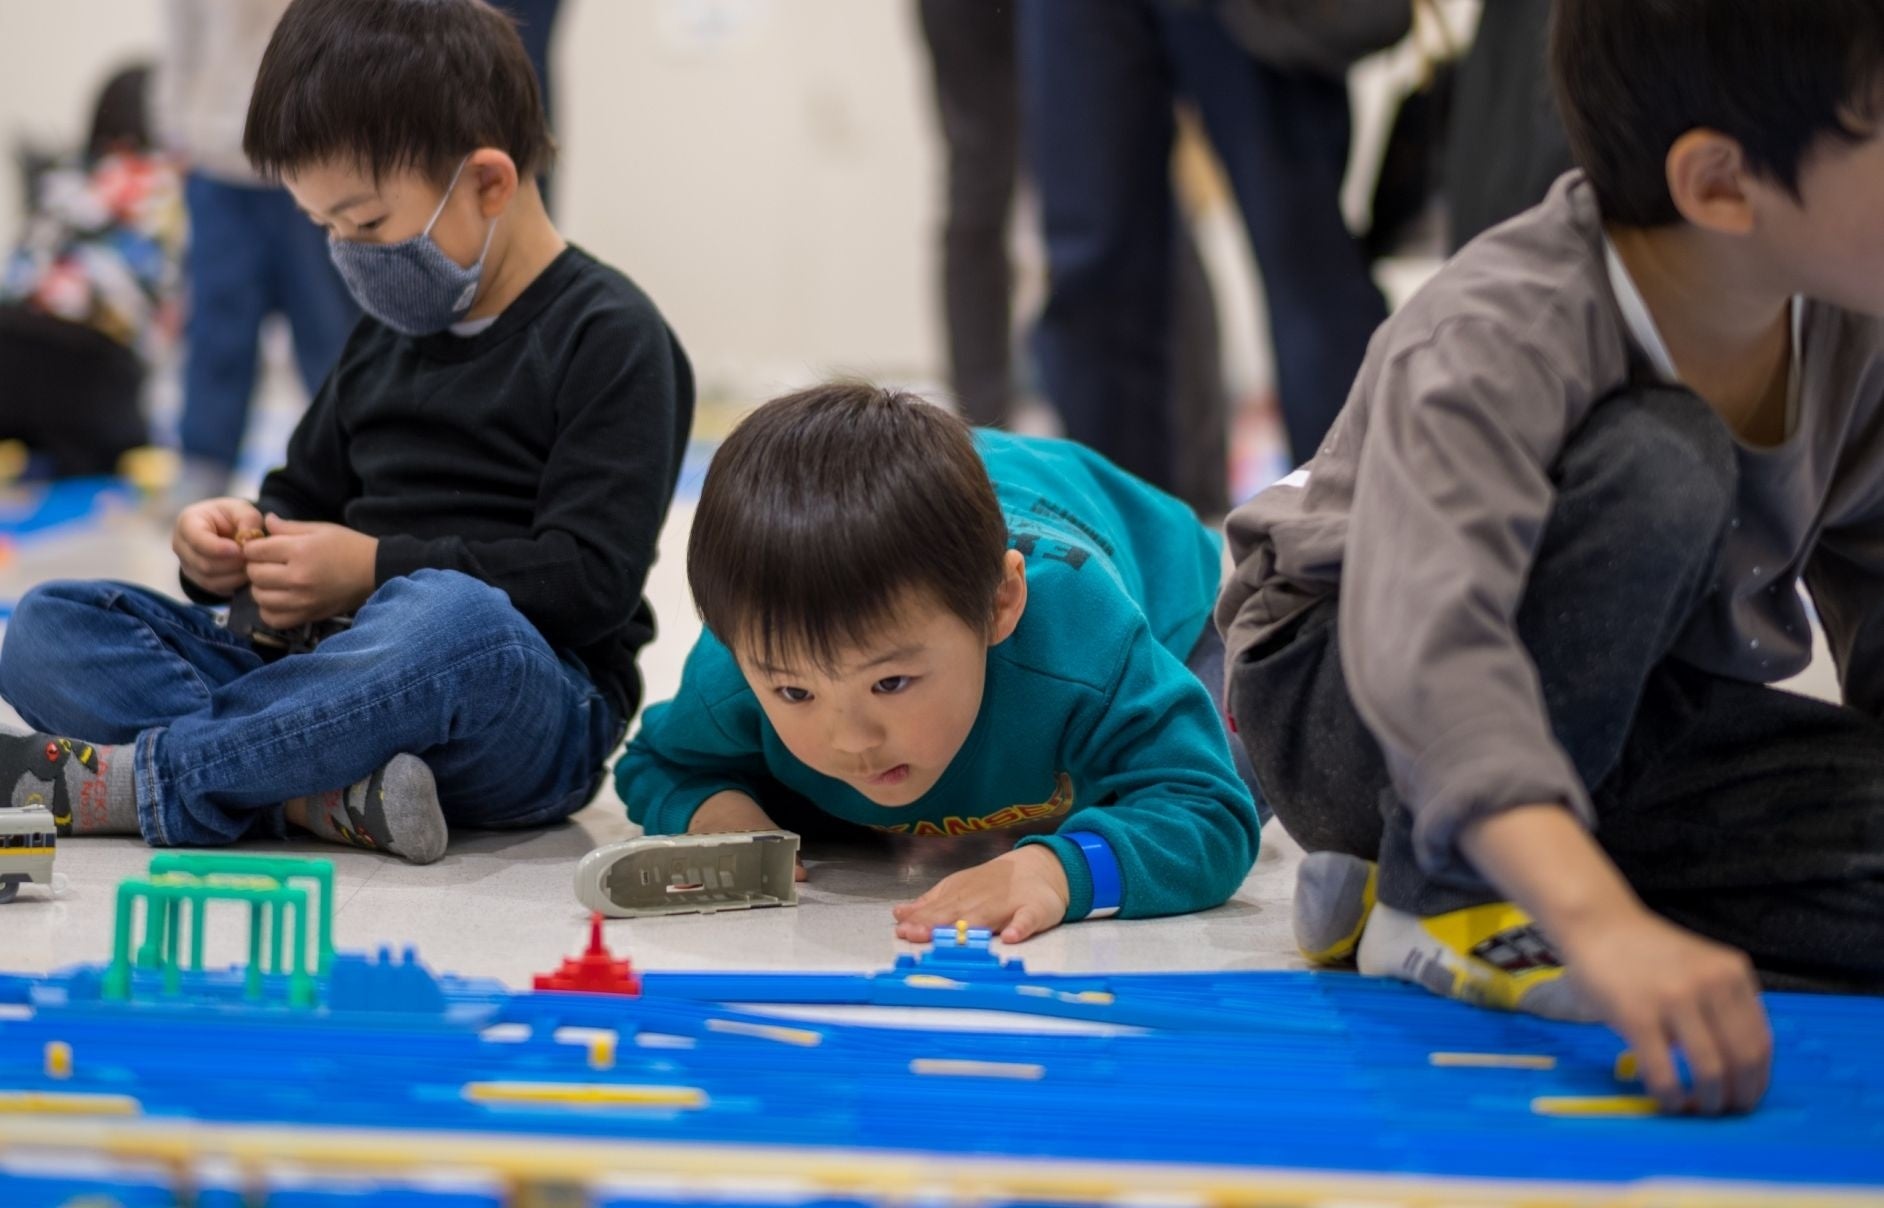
(1098,83)
(88,294)
(977,99)
(1507,144)
(536,25)
(251,252)
(972,50)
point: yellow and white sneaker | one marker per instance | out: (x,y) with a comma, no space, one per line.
(1491,955)
(1334,895)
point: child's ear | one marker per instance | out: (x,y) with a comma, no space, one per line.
(1010,599)
(1709,179)
(496,176)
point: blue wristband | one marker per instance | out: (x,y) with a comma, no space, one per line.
(1108,888)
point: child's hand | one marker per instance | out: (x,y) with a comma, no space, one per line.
(206,546)
(1017,895)
(1662,987)
(305,572)
(734,811)
(1657,985)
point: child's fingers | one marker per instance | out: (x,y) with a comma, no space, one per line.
(1706,1065)
(198,531)
(923,913)
(1655,1060)
(1739,1018)
(265,549)
(798,871)
(938,897)
(285,616)
(268,576)
(943,906)
(211,549)
(238,516)
(205,566)
(1027,922)
(215,574)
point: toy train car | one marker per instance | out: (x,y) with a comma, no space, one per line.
(28,838)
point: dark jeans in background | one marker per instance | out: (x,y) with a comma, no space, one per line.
(1099,79)
(977,91)
(251,254)
(536,24)
(1745,813)
(1506,144)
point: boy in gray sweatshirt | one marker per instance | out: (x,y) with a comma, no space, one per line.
(1501,653)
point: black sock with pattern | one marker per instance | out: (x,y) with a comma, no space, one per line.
(90,790)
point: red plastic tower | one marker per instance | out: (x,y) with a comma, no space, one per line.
(596,971)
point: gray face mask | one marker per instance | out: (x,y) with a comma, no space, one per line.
(411,286)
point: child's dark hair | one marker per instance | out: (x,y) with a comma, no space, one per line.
(121,118)
(1633,76)
(826,509)
(392,85)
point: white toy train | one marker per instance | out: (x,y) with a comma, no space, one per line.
(28,837)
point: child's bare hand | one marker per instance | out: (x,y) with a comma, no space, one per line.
(1659,986)
(1664,988)
(305,571)
(733,811)
(206,547)
(1017,895)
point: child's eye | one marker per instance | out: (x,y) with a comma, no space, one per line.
(371,226)
(793,696)
(890,685)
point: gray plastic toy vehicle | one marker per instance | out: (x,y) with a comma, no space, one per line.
(28,839)
(690,874)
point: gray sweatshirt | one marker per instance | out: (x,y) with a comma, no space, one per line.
(1424,508)
(212,52)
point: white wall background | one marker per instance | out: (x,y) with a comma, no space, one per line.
(53,59)
(769,170)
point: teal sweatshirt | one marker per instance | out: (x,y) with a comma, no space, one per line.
(1090,720)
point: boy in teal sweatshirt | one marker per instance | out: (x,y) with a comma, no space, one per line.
(935,634)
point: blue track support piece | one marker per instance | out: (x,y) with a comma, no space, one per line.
(962,951)
(403,985)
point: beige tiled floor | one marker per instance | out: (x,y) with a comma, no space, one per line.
(502,905)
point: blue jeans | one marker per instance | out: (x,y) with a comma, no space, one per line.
(439,665)
(252,254)
(1099,79)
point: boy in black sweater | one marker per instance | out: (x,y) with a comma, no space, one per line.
(437,599)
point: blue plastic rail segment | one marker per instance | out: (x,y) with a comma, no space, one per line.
(39,509)
(1327,1072)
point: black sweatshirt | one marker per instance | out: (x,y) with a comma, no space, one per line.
(539,455)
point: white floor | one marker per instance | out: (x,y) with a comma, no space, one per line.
(503,905)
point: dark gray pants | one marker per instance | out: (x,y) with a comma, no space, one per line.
(1745,813)
(977,93)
